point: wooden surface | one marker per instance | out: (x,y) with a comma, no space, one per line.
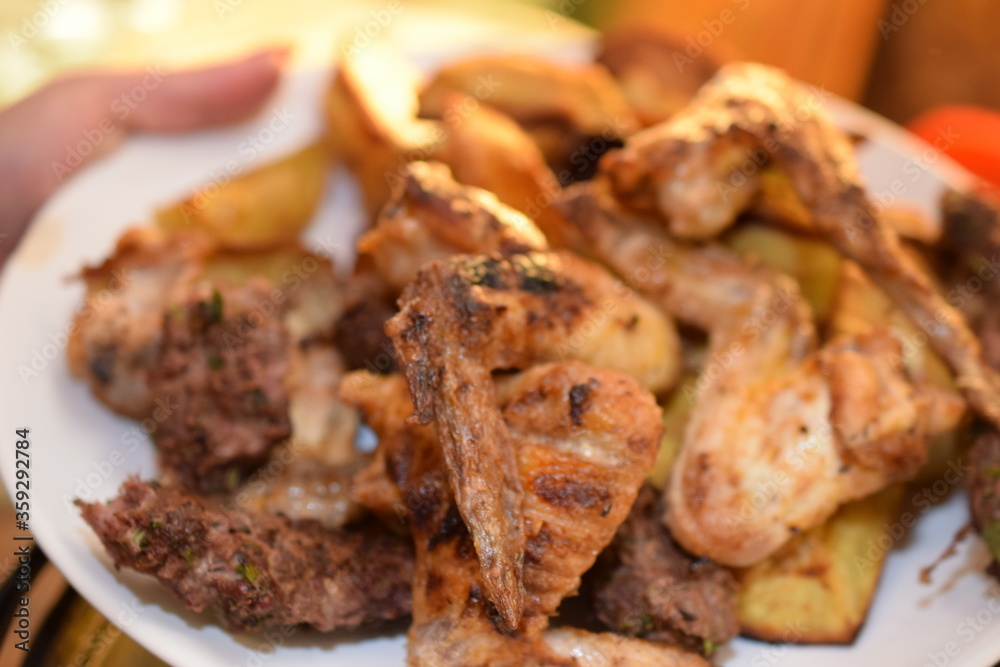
(825,42)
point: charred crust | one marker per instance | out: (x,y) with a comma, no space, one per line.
(563,491)
(579,402)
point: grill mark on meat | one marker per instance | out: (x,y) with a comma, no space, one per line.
(451,527)
(564,491)
(579,400)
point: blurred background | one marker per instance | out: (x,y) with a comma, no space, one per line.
(898,57)
(901,58)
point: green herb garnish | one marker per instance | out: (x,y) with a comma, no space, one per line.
(248,571)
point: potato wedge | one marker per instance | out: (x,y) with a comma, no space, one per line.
(572,113)
(372,127)
(814,264)
(675,418)
(531,90)
(263,209)
(487,149)
(654,81)
(818,587)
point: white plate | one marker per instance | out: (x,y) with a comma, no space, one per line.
(78,448)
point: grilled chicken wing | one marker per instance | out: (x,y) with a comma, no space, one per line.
(465,317)
(584,439)
(692,171)
(255,569)
(430,216)
(780,435)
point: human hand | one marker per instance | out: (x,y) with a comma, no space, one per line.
(75,119)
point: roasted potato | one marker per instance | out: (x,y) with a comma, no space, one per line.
(654,74)
(813,263)
(818,587)
(372,127)
(675,418)
(573,113)
(531,90)
(487,149)
(263,209)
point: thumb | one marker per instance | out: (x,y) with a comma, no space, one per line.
(201,98)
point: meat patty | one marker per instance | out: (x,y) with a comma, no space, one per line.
(970,249)
(656,591)
(256,570)
(984,493)
(219,378)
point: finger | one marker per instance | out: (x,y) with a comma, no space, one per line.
(200,98)
(53,132)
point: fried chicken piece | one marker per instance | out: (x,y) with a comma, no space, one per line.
(117,332)
(586,649)
(656,591)
(689,171)
(220,372)
(777,439)
(584,440)
(255,569)
(465,317)
(431,216)
(489,150)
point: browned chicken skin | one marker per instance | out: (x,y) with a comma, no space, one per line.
(465,317)
(688,171)
(775,442)
(430,216)
(255,569)
(584,439)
